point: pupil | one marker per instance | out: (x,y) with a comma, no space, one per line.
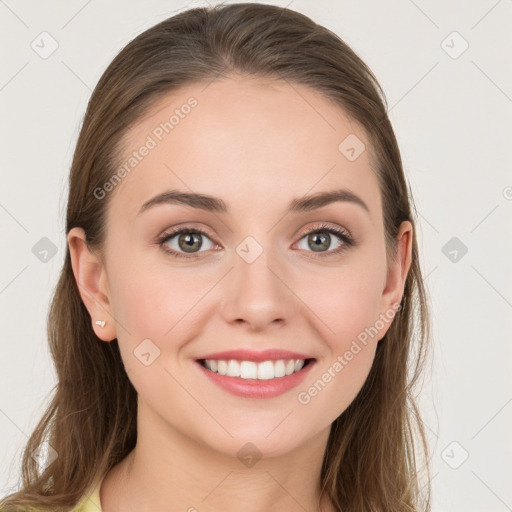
(319,241)
(190,240)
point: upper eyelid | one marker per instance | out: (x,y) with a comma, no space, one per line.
(172,232)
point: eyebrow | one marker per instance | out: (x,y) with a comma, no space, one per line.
(215,204)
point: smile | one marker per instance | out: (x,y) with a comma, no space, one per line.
(264,370)
(251,379)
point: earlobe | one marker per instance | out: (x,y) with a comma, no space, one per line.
(91,279)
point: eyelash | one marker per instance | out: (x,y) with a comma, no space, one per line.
(347,240)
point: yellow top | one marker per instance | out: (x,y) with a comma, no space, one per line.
(90,502)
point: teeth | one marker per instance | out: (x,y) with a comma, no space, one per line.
(279,368)
(248,369)
(222,367)
(265,370)
(233,369)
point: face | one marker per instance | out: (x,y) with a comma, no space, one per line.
(256,275)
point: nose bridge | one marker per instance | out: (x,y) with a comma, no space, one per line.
(257,293)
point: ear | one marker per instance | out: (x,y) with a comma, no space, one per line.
(91,279)
(397,275)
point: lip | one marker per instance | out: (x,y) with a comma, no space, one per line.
(255,388)
(257,357)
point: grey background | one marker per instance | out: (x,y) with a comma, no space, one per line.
(451,113)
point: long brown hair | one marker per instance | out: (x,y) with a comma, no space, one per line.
(370,462)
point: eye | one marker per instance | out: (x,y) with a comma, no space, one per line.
(187,240)
(320,239)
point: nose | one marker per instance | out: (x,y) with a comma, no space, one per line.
(258,295)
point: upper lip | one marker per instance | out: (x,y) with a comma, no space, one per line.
(251,355)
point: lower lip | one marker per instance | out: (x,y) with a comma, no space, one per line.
(255,388)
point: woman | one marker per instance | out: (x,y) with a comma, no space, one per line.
(241,300)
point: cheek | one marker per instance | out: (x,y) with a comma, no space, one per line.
(348,307)
(347,299)
(149,297)
(351,339)
(346,302)
(335,384)
(158,309)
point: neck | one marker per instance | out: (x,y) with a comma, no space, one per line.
(168,470)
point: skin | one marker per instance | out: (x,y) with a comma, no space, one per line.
(256,144)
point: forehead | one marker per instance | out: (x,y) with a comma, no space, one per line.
(249,140)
